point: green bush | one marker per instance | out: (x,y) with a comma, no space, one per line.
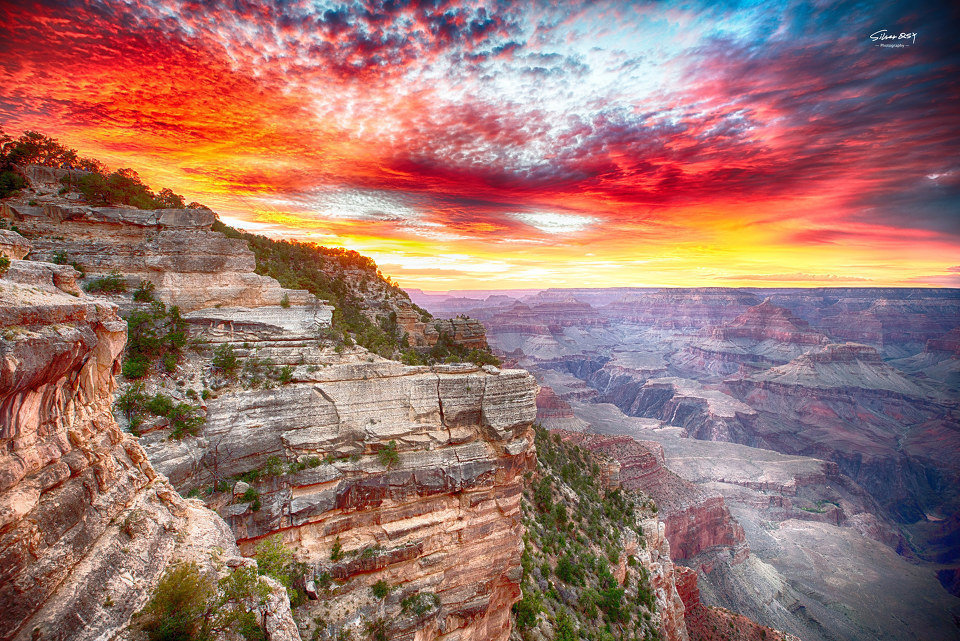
(378,630)
(225,360)
(388,456)
(132,402)
(4,264)
(180,606)
(569,571)
(419,603)
(160,405)
(10,183)
(184,420)
(336,552)
(285,301)
(144,292)
(380,589)
(136,367)
(276,561)
(124,187)
(525,610)
(112,283)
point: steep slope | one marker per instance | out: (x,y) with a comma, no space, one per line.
(596,563)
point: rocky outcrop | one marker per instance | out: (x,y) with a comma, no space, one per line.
(949,343)
(86,525)
(174,249)
(656,558)
(13,245)
(554,413)
(416,472)
(702,413)
(422,331)
(696,521)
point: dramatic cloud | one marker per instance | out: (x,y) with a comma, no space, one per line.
(474,143)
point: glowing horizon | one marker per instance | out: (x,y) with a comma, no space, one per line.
(474,145)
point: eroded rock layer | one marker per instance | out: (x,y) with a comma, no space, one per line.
(415,475)
(86,525)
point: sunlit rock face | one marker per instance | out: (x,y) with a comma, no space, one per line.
(86,524)
(442,518)
(190,266)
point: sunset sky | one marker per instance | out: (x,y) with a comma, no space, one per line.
(500,145)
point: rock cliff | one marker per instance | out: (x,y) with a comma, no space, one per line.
(439,514)
(86,525)
(697,524)
(174,249)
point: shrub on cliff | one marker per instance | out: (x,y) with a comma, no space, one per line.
(4,264)
(187,605)
(225,360)
(112,283)
(574,526)
(388,456)
(276,561)
(11,182)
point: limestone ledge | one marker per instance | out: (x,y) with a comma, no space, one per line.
(443,519)
(175,249)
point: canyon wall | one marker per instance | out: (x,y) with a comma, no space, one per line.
(87,526)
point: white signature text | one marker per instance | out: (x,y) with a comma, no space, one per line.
(883,35)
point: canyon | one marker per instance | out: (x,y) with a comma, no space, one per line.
(787,482)
(396,487)
(815,431)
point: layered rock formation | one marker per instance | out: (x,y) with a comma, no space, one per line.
(897,320)
(439,515)
(681,308)
(554,413)
(695,522)
(894,436)
(86,525)
(425,332)
(702,413)
(763,336)
(189,265)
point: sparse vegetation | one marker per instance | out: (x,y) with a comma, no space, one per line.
(112,283)
(388,456)
(4,264)
(419,603)
(225,360)
(572,548)
(345,278)
(144,292)
(336,552)
(188,605)
(380,589)
(151,335)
